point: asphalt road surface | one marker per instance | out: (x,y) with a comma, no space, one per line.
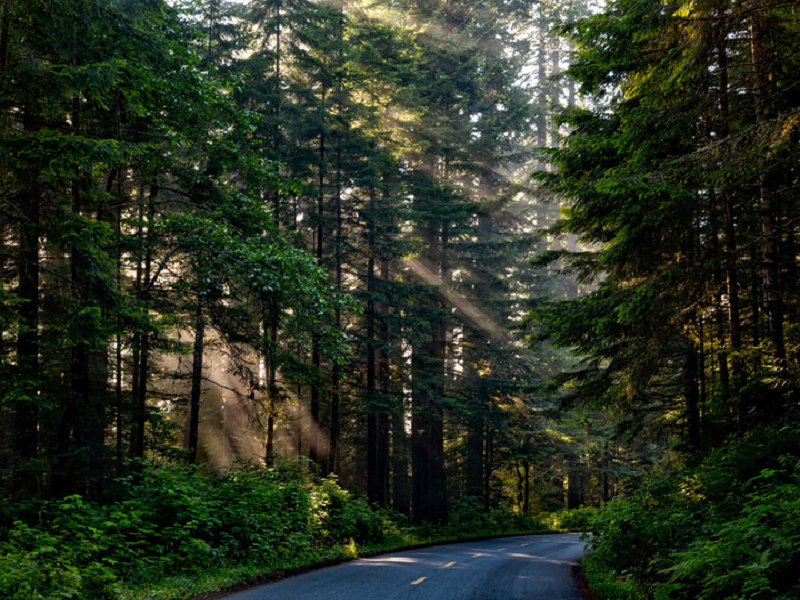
(511,568)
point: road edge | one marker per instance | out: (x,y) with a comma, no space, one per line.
(582,586)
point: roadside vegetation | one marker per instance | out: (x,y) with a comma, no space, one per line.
(724,528)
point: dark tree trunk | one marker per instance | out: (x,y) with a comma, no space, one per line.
(89,375)
(383,454)
(26,409)
(273,385)
(197,382)
(401,496)
(574,485)
(427,460)
(315,429)
(373,483)
(770,232)
(428,478)
(474,458)
(336,369)
(691,396)
(142,368)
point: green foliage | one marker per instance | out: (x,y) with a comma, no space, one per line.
(177,520)
(340,516)
(578,519)
(723,530)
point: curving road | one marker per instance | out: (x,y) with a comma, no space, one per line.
(511,568)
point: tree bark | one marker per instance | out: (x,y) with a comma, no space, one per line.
(770,273)
(26,438)
(691,396)
(197,381)
(143,371)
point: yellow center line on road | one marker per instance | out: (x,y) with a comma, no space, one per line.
(418,581)
(450,564)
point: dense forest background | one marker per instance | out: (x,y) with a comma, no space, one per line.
(252,231)
(292,250)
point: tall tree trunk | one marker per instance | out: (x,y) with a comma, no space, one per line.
(89,371)
(400,483)
(731,251)
(336,369)
(541,99)
(526,490)
(5,14)
(26,409)
(273,385)
(401,496)
(773,304)
(143,370)
(574,488)
(384,377)
(197,381)
(315,428)
(488,462)
(373,485)
(691,395)
(429,489)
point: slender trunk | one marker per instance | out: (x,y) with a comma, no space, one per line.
(541,100)
(756,326)
(136,348)
(526,491)
(731,252)
(398,460)
(373,485)
(143,371)
(691,396)
(384,377)
(719,327)
(276,133)
(770,273)
(4,32)
(26,408)
(488,462)
(118,353)
(273,386)
(315,432)
(336,369)
(197,381)
(574,488)
(299,421)
(401,496)
(474,458)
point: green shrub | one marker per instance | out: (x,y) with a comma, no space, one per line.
(178,520)
(341,517)
(576,519)
(63,562)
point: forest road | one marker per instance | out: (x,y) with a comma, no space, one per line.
(511,568)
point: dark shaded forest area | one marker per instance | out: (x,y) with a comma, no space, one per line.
(285,277)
